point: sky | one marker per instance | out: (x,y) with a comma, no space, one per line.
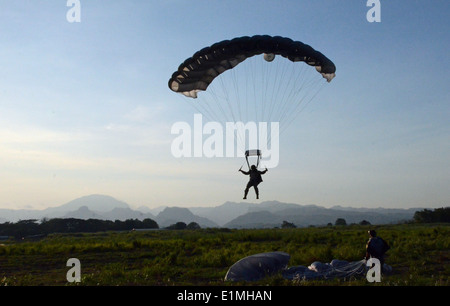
(85,107)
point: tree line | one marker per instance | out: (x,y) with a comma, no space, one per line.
(29,228)
(438,215)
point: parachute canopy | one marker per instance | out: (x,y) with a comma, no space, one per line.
(197,72)
(258,266)
(253,92)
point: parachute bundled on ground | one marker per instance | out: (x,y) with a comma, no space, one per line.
(259,266)
(229,82)
(318,270)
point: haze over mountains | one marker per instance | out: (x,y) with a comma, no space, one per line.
(232,215)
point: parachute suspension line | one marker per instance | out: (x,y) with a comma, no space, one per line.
(297,72)
(266,72)
(256,76)
(297,95)
(198,108)
(267,89)
(215,97)
(227,111)
(274,83)
(208,101)
(269,80)
(269,83)
(259,86)
(277,85)
(291,96)
(351,268)
(210,108)
(278,108)
(227,97)
(264,80)
(237,92)
(207,108)
(229,101)
(236,81)
(298,110)
(250,77)
(242,166)
(245,80)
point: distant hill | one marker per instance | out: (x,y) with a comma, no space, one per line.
(305,215)
(172,215)
(123,214)
(223,213)
(95,202)
(229,214)
(83,213)
(258,219)
(91,206)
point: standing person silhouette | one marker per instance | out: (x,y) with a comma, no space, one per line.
(376,247)
(255,179)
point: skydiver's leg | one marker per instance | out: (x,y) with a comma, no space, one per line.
(256,191)
(247,189)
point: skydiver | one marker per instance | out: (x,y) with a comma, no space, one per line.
(255,179)
(376,247)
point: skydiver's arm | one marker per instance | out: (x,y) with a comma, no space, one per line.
(369,250)
(246,173)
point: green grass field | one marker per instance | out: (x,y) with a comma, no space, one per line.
(419,255)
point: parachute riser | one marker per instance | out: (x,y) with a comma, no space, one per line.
(253,153)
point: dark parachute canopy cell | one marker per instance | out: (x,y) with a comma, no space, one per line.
(197,72)
(258,266)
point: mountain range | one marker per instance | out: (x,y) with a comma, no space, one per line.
(230,214)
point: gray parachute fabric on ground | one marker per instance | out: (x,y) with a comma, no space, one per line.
(258,266)
(318,270)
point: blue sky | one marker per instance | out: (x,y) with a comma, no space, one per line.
(85,107)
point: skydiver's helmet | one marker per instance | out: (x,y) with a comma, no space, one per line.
(253,167)
(372,233)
